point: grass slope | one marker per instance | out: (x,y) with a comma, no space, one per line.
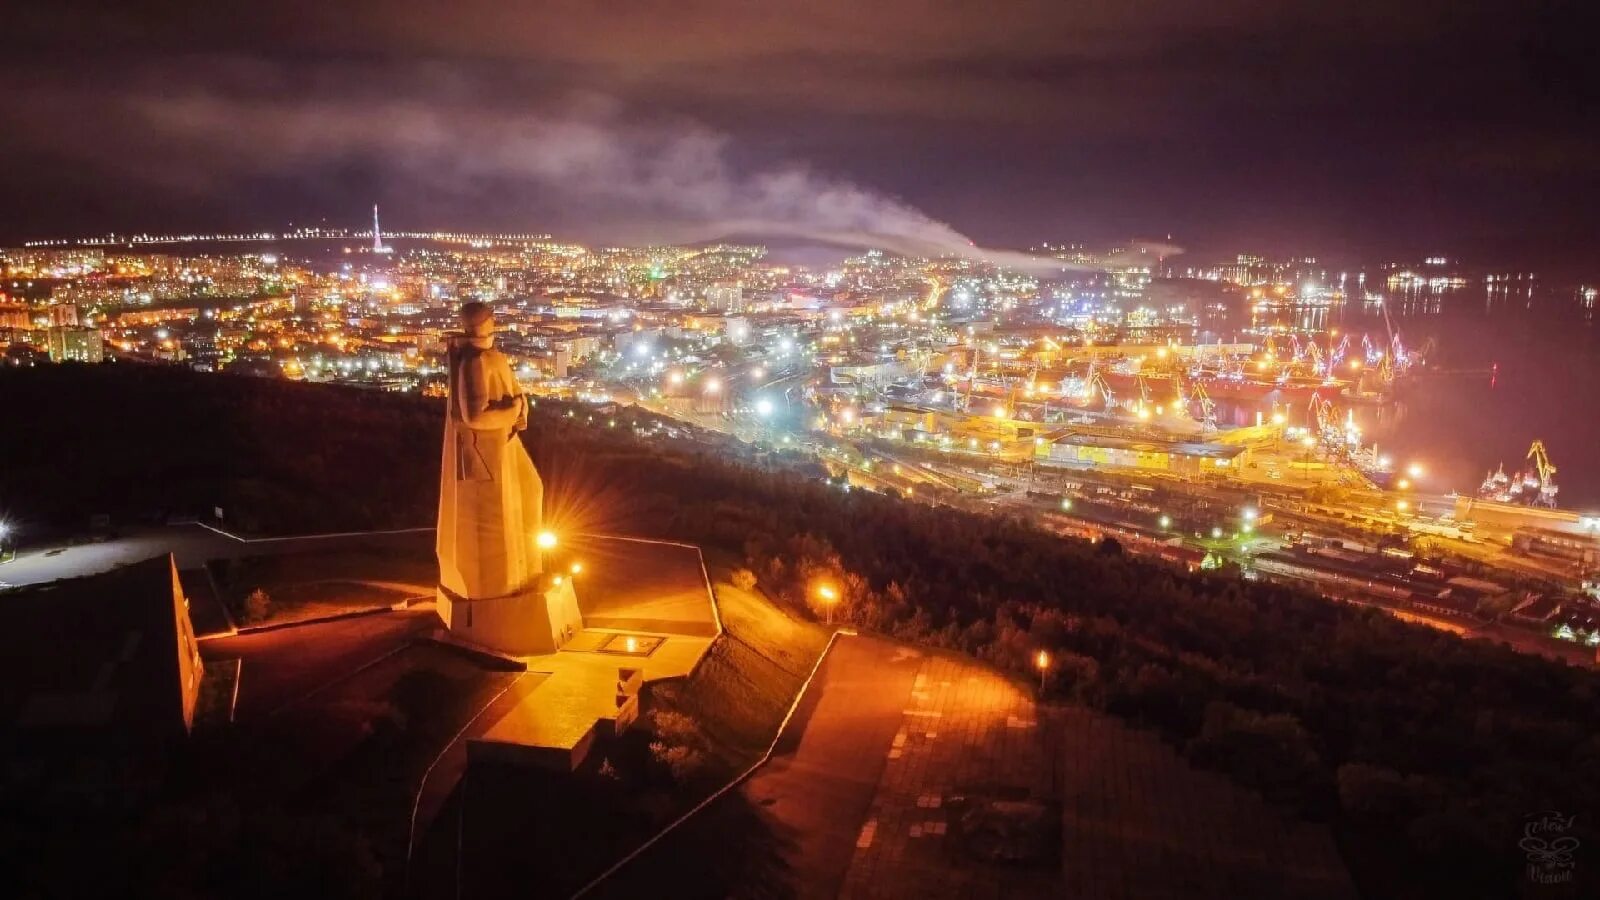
(742,689)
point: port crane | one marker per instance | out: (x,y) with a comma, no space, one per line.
(1337,354)
(1143,402)
(1323,413)
(1096,380)
(1314,353)
(1208,419)
(1546,471)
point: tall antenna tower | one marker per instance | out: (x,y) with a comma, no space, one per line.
(377,233)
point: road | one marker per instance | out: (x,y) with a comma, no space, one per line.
(791,829)
(192,544)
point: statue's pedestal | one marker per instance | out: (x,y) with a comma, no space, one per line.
(535,621)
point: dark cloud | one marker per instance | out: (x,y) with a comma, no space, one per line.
(1363,124)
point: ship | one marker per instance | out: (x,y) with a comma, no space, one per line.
(1288,391)
(1533,487)
(1379,470)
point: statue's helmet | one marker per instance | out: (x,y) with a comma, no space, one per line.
(476,317)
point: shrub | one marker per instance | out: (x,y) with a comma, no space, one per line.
(258,606)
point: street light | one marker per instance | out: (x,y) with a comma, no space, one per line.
(1042,662)
(1307,442)
(1414,470)
(575,568)
(829,597)
(547,540)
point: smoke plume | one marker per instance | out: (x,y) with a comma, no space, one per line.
(677,176)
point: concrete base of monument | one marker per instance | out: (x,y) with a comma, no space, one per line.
(648,613)
(534,622)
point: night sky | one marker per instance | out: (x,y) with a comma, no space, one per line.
(1381,128)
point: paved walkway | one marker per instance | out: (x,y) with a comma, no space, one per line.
(819,784)
(966,738)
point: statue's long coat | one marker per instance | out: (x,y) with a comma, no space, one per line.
(490,496)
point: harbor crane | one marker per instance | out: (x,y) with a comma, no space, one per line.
(1546,471)
(1208,419)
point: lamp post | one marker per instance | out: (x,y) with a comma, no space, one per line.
(1042,662)
(829,597)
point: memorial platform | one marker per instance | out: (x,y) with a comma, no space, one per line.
(649,614)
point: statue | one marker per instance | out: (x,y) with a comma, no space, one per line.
(492,587)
